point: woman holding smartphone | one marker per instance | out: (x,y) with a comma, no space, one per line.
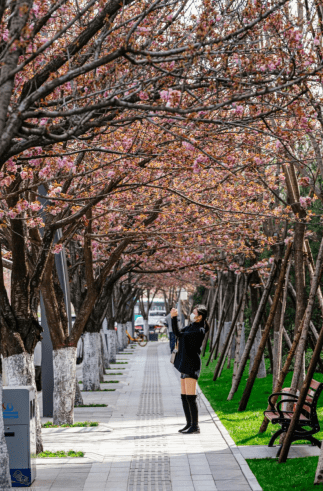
(188,362)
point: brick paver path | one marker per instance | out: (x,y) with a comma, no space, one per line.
(137,446)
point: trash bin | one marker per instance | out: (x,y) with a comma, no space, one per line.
(20,433)
(153,336)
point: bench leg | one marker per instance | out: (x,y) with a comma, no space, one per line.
(274,437)
(314,441)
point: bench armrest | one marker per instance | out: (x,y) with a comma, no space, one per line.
(272,405)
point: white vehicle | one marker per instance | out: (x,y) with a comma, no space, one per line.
(156,319)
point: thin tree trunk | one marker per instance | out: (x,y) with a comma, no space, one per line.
(305,321)
(217,340)
(254,349)
(278,335)
(270,353)
(239,335)
(301,400)
(262,345)
(227,344)
(299,361)
(253,331)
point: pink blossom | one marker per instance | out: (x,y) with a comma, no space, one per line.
(57,249)
(239,110)
(188,146)
(303,202)
(281,177)
(35,206)
(164,95)
(143,96)
(169,18)
(196,168)
(24,174)
(12,214)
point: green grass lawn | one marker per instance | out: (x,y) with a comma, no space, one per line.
(294,475)
(60,453)
(244,426)
(79,424)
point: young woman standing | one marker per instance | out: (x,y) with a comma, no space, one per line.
(188,362)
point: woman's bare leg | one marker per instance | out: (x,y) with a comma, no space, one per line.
(190,386)
(183,389)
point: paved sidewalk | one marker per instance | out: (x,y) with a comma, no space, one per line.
(137,446)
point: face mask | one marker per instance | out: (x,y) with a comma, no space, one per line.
(192,317)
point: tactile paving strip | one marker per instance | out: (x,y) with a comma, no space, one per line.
(150,466)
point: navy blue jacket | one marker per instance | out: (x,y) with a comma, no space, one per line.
(190,341)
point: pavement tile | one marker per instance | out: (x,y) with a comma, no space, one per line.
(138,439)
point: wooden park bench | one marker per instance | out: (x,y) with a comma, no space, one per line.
(307,424)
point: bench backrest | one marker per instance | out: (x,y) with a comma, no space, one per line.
(313,394)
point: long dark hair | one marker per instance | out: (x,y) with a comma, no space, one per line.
(202,310)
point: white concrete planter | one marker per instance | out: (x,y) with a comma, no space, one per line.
(120,336)
(105,350)
(112,345)
(146,328)
(91,361)
(64,364)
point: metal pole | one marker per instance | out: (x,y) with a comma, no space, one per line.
(46,365)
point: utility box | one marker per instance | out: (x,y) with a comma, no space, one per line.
(19,417)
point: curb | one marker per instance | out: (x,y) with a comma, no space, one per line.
(252,481)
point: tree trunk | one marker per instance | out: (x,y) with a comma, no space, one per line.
(301,400)
(5,479)
(112,345)
(125,338)
(64,364)
(120,336)
(91,361)
(146,328)
(265,335)
(129,328)
(105,351)
(253,332)
(20,370)
(299,359)
(262,368)
(78,394)
(278,333)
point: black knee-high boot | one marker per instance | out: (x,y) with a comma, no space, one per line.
(187,413)
(194,428)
